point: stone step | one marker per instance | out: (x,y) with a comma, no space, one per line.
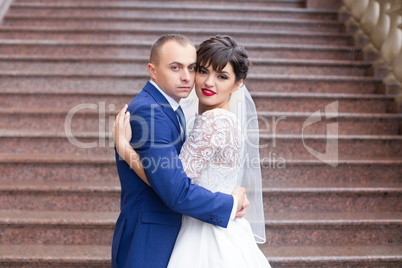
(14,81)
(63,101)
(56,101)
(195,34)
(282,198)
(311,102)
(58,167)
(117,23)
(128,50)
(278,3)
(102,120)
(308,67)
(98,168)
(360,170)
(179,9)
(332,229)
(283,145)
(90,65)
(60,195)
(295,146)
(57,227)
(327,197)
(46,256)
(96,228)
(356,124)
(334,256)
(85,143)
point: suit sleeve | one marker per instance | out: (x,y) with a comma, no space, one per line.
(154,139)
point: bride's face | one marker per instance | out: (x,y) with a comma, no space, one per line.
(214,88)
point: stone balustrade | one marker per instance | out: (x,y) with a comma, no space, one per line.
(4,5)
(379,22)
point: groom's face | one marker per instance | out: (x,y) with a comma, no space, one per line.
(175,71)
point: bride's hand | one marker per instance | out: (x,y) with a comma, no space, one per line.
(122,131)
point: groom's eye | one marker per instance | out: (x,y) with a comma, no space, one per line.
(191,68)
(175,68)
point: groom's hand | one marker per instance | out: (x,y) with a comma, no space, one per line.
(242,201)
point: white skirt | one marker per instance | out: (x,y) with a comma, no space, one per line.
(202,245)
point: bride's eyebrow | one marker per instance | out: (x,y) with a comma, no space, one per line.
(223,72)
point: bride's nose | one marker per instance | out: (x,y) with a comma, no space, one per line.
(209,81)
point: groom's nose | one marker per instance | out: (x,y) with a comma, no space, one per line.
(185,75)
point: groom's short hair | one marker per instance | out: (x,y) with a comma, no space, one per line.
(156,46)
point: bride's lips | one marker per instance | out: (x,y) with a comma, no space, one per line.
(207,92)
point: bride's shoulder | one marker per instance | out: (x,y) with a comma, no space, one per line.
(218,114)
(218,117)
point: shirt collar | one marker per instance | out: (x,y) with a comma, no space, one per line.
(171,101)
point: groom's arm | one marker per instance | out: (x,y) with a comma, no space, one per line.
(153,139)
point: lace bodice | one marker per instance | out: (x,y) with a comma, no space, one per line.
(211,153)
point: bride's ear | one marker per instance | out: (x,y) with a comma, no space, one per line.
(237,85)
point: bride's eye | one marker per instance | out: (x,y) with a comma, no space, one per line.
(223,77)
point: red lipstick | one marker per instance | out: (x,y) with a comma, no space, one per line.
(207,92)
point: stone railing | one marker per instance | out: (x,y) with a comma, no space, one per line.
(4,5)
(379,24)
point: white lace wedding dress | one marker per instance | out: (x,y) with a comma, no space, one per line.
(210,157)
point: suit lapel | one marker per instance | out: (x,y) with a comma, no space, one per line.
(162,101)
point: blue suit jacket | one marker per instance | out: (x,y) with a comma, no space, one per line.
(150,218)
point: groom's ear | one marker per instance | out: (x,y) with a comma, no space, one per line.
(152,71)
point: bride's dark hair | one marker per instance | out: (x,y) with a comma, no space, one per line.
(218,51)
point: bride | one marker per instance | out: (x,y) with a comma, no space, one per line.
(220,152)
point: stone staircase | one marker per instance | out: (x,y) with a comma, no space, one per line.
(59,202)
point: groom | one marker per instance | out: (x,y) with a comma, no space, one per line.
(150,218)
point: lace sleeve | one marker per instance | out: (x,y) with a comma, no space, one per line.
(214,139)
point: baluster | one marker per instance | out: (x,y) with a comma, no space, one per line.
(397,66)
(348,3)
(356,10)
(392,45)
(370,18)
(381,30)
(359,8)
(345,10)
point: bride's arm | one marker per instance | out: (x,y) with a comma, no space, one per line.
(122,136)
